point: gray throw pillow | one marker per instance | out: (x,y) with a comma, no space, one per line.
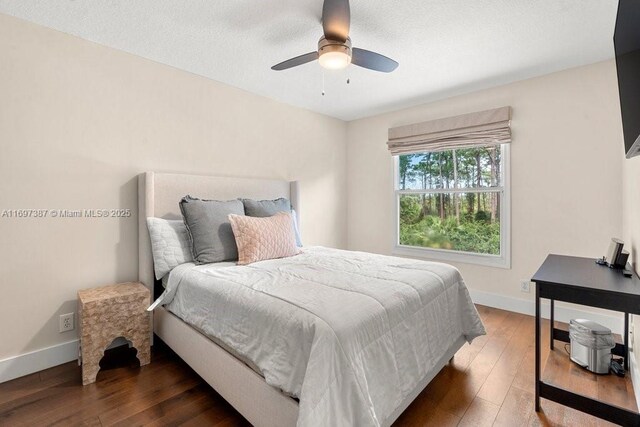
(265,208)
(207,222)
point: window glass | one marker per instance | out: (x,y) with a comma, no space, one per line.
(474,168)
(451,200)
(467,222)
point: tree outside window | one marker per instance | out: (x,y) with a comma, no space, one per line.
(451,200)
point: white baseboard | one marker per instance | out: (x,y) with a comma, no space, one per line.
(38,360)
(45,358)
(635,376)
(562,313)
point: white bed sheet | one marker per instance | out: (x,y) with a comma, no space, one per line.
(348,333)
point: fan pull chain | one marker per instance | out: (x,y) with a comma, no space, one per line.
(322,82)
(348,80)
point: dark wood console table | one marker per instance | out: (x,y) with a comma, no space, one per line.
(582,281)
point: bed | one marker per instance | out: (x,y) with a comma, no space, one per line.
(365,337)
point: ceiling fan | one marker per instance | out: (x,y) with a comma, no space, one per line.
(334,48)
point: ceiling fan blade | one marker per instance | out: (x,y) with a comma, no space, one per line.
(294,62)
(373,61)
(336,19)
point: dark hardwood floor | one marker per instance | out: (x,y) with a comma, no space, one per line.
(489,382)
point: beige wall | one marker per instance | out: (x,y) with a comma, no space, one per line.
(565,171)
(631,225)
(631,209)
(78,121)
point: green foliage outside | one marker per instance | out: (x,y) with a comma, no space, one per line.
(471,235)
(467,221)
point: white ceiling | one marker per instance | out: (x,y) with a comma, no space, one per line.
(444,47)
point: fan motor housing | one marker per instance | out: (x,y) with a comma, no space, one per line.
(326,45)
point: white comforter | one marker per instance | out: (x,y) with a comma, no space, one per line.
(349,333)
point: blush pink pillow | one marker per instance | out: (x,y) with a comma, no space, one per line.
(263,238)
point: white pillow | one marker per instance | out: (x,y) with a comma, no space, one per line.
(170,244)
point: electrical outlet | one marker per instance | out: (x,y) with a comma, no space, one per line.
(66,322)
(524,286)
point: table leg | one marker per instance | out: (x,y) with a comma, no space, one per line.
(625,341)
(551,323)
(537,398)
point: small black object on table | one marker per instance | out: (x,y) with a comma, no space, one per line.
(582,281)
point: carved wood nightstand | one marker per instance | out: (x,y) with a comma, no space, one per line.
(108,312)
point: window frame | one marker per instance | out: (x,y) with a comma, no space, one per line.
(501,261)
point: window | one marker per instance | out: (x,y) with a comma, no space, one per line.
(454,205)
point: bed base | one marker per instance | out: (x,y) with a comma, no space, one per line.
(261,404)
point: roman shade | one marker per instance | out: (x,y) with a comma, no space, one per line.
(490,127)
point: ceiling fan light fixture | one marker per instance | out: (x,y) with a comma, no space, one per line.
(336,60)
(334,55)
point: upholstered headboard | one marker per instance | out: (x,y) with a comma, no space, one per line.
(159,194)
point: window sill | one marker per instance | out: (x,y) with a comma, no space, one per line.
(452,256)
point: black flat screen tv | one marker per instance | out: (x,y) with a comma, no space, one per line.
(627,44)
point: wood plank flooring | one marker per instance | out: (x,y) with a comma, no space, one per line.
(489,382)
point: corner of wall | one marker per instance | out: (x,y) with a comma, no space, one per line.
(631,232)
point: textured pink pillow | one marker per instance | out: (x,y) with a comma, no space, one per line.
(263,238)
